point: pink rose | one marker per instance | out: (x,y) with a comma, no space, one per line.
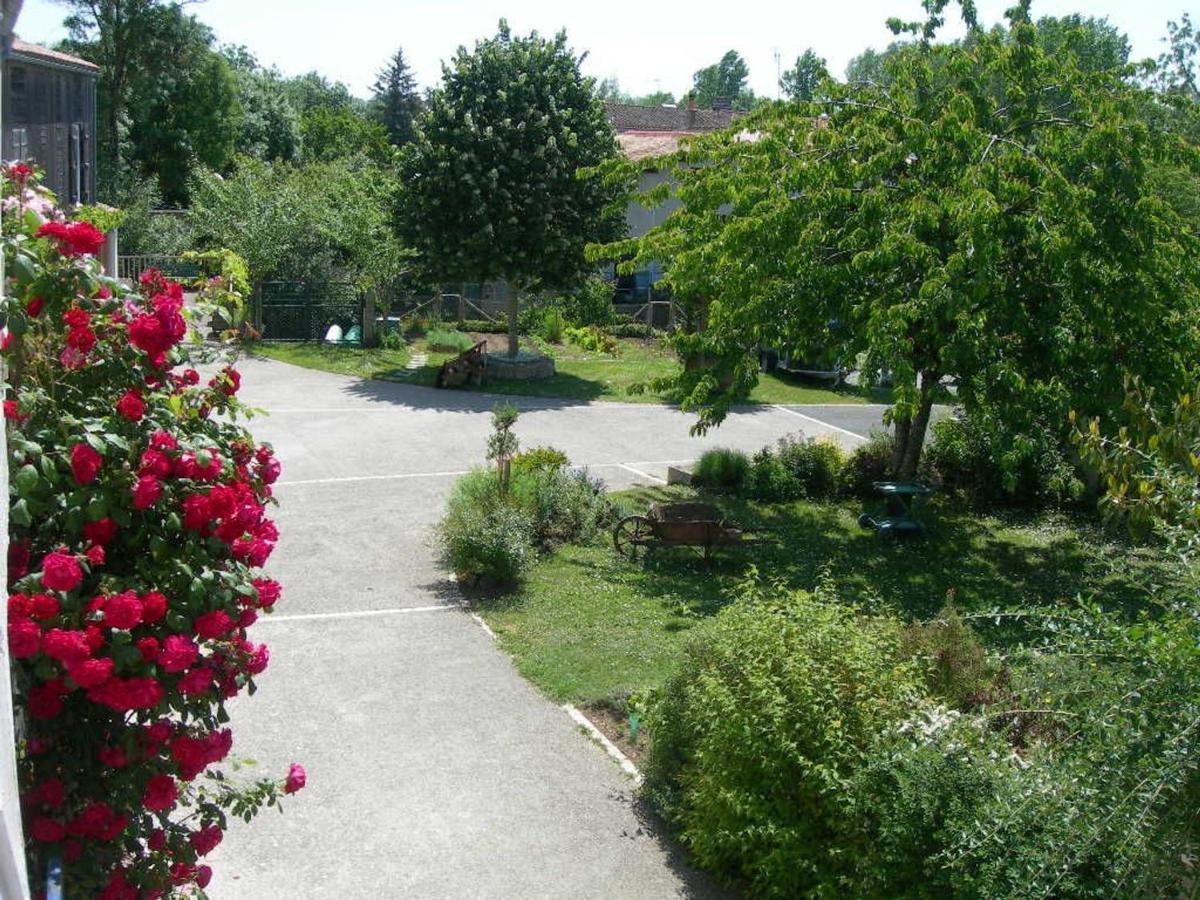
(61,572)
(296,779)
(123,611)
(85,463)
(161,793)
(146,492)
(131,406)
(178,653)
(212,624)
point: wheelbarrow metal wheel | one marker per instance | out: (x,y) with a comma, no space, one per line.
(631,534)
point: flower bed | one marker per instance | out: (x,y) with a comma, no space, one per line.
(138,529)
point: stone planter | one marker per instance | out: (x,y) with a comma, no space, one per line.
(524,367)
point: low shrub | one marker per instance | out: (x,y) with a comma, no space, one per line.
(539,459)
(631,329)
(770,481)
(773,711)
(592,339)
(563,506)
(721,469)
(414,326)
(591,304)
(815,464)
(442,341)
(491,533)
(483,326)
(799,751)
(797,468)
(392,340)
(868,463)
(486,543)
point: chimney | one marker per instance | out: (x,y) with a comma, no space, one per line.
(691,113)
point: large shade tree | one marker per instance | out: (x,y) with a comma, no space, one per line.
(493,182)
(167,100)
(985,219)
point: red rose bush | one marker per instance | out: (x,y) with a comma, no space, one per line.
(138,529)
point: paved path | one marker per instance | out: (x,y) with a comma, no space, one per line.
(435,771)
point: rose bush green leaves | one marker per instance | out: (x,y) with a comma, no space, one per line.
(138,528)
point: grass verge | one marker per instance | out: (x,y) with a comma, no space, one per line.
(362,362)
(588,625)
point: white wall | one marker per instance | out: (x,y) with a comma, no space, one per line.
(13,880)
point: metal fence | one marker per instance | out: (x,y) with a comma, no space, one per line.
(305,311)
(130,268)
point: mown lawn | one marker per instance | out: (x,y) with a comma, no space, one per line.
(364,363)
(588,625)
(579,375)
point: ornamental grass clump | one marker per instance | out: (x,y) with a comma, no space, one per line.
(137,531)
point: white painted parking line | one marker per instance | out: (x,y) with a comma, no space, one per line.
(350,478)
(457,472)
(800,415)
(361,614)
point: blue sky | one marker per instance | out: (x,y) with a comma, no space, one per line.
(646,45)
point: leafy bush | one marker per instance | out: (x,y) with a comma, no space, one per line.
(630,329)
(868,463)
(796,468)
(563,506)
(962,458)
(539,459)
(1087,787)
(797,750)
(770,481)
(490,544)
(591,304)
(721,469)
(815,464)
(483,326)
(442,341)
(593,340)
(491,530)
(550,326)
(392,340)
(773,711)
(956,666)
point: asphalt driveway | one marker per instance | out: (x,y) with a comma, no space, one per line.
(435,771)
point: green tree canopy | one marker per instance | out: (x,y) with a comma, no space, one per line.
(802,80)
(962,224)
(167,101)
(395,102)
(725,78)
(331,133)
(270,126)
(493,188)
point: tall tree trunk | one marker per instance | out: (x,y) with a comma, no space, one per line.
(910,433)
(902,429)
(513,340)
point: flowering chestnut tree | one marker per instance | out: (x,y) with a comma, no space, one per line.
(138,527)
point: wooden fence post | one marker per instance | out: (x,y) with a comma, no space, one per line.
(368,325)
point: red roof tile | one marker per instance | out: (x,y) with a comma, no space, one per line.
(33,50)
